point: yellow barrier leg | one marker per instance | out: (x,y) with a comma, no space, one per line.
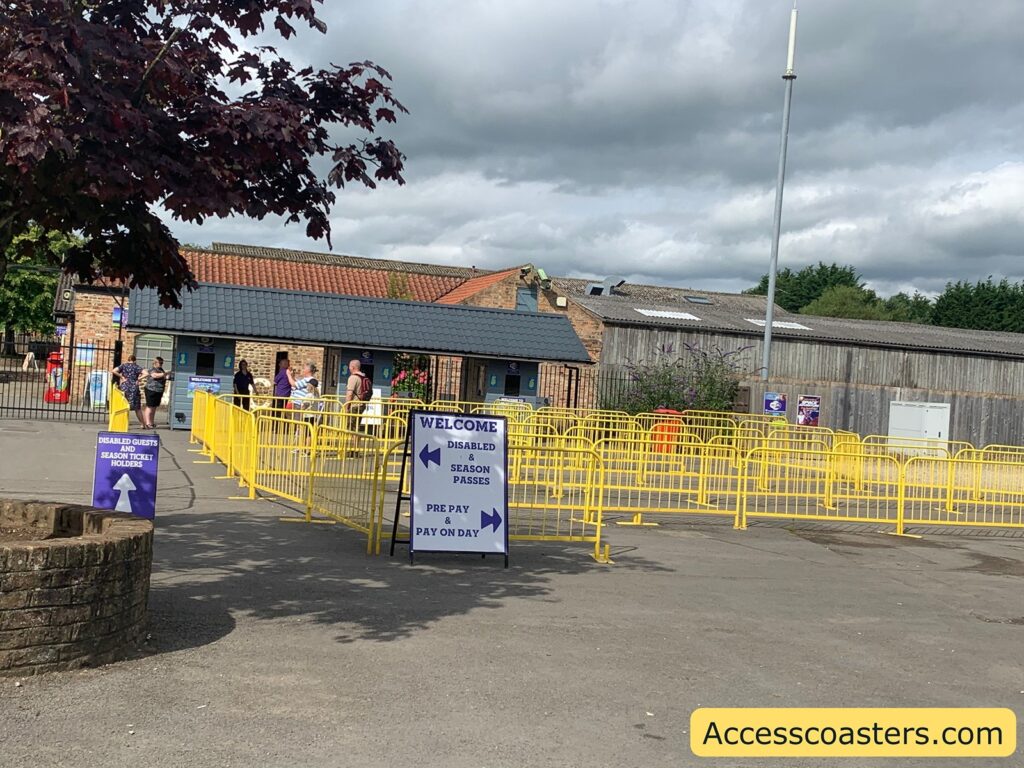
(636,520)
(603,554)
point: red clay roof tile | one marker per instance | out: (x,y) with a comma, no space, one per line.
(474,286)
(229,269)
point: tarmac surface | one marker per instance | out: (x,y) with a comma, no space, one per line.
(278,644)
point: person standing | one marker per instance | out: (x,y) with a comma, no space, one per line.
(305,389)
(244,385)
(358,389)
(305,400)
(156,381)
(128,375)
(283,381)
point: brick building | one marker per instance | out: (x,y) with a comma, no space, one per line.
(89,313)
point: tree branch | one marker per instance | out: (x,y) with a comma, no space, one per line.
(160,54)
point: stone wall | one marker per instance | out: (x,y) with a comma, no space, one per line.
(261,356)
(74,582)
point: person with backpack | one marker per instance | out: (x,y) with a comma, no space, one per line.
(358,389)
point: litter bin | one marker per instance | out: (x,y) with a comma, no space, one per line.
(666,432)
(56,386)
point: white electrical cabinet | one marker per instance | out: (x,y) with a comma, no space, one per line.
(919,421)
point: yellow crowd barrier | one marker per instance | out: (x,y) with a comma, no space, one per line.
(118,411)
(569,468)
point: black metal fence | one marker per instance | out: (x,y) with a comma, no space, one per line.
(54,378)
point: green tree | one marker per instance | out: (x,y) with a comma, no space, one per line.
(904,308)
(984,305)
(795,290)
(847,301)
(28,288)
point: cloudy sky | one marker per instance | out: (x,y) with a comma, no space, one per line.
(639,138)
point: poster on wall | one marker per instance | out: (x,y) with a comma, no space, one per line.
(808,410)
(85,354)
(775,403)
(209,384)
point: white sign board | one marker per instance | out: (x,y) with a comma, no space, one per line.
(459,483)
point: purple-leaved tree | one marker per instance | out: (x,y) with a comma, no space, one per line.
(111,108)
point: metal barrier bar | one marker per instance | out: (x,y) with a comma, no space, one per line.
(963,492)
(795,483)
(283,458)
(346,484)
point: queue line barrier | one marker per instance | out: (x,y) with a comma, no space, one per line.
(339,466)
(118,411)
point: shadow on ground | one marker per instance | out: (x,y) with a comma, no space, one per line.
(209,568)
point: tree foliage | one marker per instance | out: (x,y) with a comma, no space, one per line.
(984,305)
(829,290)
(795,290)
(28,288)
(847,301)
(111,108)
(695,378)
(905,308)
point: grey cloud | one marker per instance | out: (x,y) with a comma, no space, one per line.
(639,137)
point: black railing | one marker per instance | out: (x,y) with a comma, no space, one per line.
(54,378)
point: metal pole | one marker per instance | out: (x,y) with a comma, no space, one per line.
(773,267)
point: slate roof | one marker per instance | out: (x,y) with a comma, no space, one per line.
(731,313)
(474,285)
(342,260)
(317,318)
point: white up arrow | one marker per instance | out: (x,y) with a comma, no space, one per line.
(123,486)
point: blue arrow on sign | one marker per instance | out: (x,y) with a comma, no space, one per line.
(492,519)
(427,456)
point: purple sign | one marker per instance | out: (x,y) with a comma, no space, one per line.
(124,478)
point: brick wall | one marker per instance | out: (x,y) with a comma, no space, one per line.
(77,598)
(501,295)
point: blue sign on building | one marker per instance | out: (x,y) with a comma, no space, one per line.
(124,478)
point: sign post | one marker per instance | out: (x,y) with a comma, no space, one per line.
(124,476)
(459,483)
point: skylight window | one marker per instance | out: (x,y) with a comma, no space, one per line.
(666,315)
(780,324)
(698,299)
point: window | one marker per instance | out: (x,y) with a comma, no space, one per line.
(698,299)
(526,299)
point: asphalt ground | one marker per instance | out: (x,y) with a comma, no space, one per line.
(275,644)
